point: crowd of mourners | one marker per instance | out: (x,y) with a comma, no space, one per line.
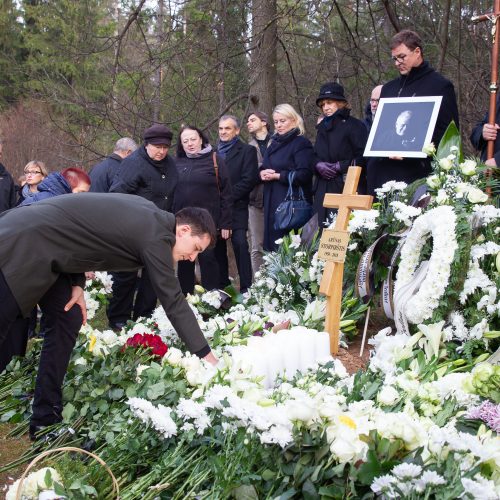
(241,184)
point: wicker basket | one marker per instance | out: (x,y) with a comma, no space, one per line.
(116,488)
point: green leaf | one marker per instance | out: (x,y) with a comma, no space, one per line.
(450,138)
(267,475)
(245,492)
(309,492)
(116,393)
(68,412)
(288,494)
(156,390)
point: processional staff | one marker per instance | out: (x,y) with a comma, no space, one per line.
(494,18)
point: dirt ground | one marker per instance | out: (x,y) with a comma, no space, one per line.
(10,449)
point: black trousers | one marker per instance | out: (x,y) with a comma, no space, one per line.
(121,306)
(209,268)
(60,336)
(243,262)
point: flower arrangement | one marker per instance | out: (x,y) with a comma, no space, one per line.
(154,342)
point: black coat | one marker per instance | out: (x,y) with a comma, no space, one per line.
(341,139)
(477,136)
(294,153)
(7,190)
(241,161)
(197,187)
(103,174)
(153,180)
(420,82)
(72,234)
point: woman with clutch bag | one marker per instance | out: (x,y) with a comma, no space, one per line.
(340,142)
(203,182)
(289,152)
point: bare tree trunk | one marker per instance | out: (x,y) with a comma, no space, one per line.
(444,34)
(263,56)
(159,71)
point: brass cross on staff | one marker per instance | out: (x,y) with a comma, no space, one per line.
(494,17)
(331,281)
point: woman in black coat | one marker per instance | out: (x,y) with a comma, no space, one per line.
(203,182)
(289,151)
(340,142)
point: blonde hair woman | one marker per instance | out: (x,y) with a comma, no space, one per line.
(288,152)
(35,172)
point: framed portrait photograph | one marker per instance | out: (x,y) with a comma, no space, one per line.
(402,126)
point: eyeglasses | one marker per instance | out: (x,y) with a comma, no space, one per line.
(32,172)
(401,58)
(374,100)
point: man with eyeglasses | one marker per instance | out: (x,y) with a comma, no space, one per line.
(372,106)
(416,79)
(151,173)
(7,186)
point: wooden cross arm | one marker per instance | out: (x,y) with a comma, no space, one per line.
(351,201)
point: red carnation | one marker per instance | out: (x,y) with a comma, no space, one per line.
(154,342)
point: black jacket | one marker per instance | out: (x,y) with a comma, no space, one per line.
(341,139)
(7,190)
(72,234)
(241,161)
(477,136)
(153,180)
(103,174)
(420,82)
(198,187)
(284,155)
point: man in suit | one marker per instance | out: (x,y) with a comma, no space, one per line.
(417,79)
(72,234)
(103,174)
(241,161)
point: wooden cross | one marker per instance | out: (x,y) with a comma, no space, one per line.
(494,17)
(331,281)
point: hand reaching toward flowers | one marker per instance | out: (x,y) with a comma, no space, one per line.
(210,357)
(77,298)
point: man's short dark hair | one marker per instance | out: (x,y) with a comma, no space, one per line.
(409,38)
(262,117)
(200,220)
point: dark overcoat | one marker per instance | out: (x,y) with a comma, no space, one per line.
(153,180)
(72,234)
(7,190)
(340,139)
(103,174)
(198,187)
(420,82)
(241,161)
(477,138)
(284,155)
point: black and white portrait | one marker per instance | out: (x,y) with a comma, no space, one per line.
(402,126)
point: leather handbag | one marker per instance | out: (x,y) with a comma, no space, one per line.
(294,211)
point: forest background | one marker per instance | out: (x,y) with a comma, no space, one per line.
(76,76)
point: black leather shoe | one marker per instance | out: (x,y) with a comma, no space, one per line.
(117,327)
(43,432)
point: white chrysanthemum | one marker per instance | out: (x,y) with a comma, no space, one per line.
(407,471)
(382,485)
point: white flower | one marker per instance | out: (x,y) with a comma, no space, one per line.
(388,396)
(480,489)
(433,334)
(433,181)
(173,356)
(446,163)
(404,213)
(33,484)
(363,219)
(468,167)
(429,477)
(429,149)
(407,471)
(475,195)
(442,197)
(382,485)
(295,241)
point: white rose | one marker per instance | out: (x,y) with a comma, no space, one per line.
(173,356)
(299,410)
(433,181)
(441,197)
(348,448)
(468,167)
(446,163)
(475,195)
(429,149)
(388,396)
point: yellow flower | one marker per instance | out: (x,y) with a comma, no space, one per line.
(93,340)
(346,420)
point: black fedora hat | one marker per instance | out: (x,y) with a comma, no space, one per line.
(331,90)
